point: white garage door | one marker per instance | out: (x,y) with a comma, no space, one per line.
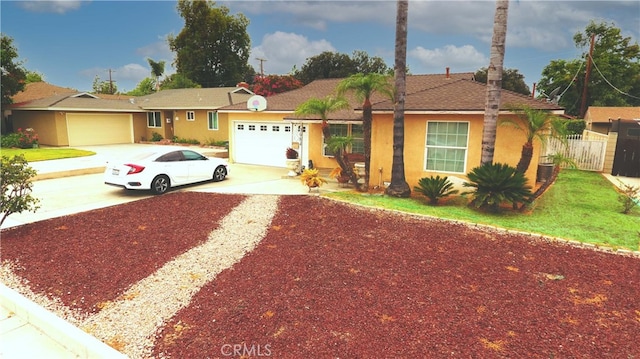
(99,129)
(263,143)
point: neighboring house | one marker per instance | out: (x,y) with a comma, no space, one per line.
(191,113)
(444,117)
(599,119)
(71,118)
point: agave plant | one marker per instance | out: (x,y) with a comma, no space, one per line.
(496,184)
(435,188)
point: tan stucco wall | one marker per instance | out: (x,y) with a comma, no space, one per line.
(508,147)
(49,125)
(199,129)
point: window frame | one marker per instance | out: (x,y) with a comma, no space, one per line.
(446,147)
(157,119)
(216,121)
(191,115)
(349,132)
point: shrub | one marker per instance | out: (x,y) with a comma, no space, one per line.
(155,137)
(190,141)
(628,197)
(10,141)
(496,184)
(435,188)
(16,186)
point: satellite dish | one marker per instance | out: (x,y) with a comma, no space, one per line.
(256,103)
(553,96)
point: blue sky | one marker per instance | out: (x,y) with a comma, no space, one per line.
(72,42)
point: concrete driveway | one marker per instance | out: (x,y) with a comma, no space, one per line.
(75,185)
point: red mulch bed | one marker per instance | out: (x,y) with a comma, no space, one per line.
(89,258)
(331,280)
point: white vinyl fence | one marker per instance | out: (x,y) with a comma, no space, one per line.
(586,150)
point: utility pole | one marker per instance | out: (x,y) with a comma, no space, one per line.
(261,65)
(583,106)
(111,82)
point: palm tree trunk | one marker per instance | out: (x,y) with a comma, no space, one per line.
(399,186)
(366,133)
(525,157)
(494,81)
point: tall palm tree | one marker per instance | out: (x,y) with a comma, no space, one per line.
(364,86)
(157,69)
(322,107)
(494,81)
(399,186)
(535,124)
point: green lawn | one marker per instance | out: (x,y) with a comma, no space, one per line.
(581,205)
(45,154)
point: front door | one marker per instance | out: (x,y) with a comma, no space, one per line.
(168,124)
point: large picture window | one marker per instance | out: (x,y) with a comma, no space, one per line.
(154,119)
(446,147)
(343,130)
(213,120)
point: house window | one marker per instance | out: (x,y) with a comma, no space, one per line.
(287,128)
(275,128)
(191,116)
(252,127)
(343,130)
(446,147)
(263,127)
(213,120)
(240,127)
(154,119)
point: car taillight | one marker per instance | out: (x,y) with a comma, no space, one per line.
(134,168)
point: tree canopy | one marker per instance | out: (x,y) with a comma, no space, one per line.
(512,80)
(213,47)
(13,74)
(614,78)
(328,65)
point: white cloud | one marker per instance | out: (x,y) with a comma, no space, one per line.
(283,51)
(54,6)
(458,59)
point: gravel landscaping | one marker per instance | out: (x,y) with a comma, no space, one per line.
(202,275)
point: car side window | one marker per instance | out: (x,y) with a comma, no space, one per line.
(171,157)
(192,156)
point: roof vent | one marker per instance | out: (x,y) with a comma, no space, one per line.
(447,75)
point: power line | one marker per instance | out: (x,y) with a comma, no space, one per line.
(609,83)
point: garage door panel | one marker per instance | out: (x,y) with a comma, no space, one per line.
(99,129)
(260,144)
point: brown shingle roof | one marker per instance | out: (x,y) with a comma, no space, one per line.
(38,90)
(434,92)
(194,98)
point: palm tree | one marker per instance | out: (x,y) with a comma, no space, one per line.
(157,69)
(535,124)
(321,108)
(494,81)
(364,86)
(399,186)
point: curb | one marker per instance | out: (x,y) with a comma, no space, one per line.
(68,173)
(75,340)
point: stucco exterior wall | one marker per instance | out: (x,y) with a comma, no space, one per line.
(508,147)
(49,125)
(199,128)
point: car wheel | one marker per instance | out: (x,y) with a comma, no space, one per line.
(160,184)
(219,174)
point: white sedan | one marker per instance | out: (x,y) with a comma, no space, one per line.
(160,168)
